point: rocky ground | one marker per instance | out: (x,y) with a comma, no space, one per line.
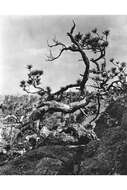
(106,156)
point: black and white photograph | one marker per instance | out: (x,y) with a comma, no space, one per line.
(63,95)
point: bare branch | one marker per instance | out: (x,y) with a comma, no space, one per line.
(111,85)
(73,40)
(95,61)
(54,106)
(52,58)
(56,43)
(38,87)
(63,89)
(98,109)
(83,112)
(74,48)
(73,27)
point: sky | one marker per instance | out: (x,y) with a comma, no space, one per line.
(23,41)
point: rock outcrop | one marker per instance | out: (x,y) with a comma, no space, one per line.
(106,156)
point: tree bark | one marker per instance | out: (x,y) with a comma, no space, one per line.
(54,106)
